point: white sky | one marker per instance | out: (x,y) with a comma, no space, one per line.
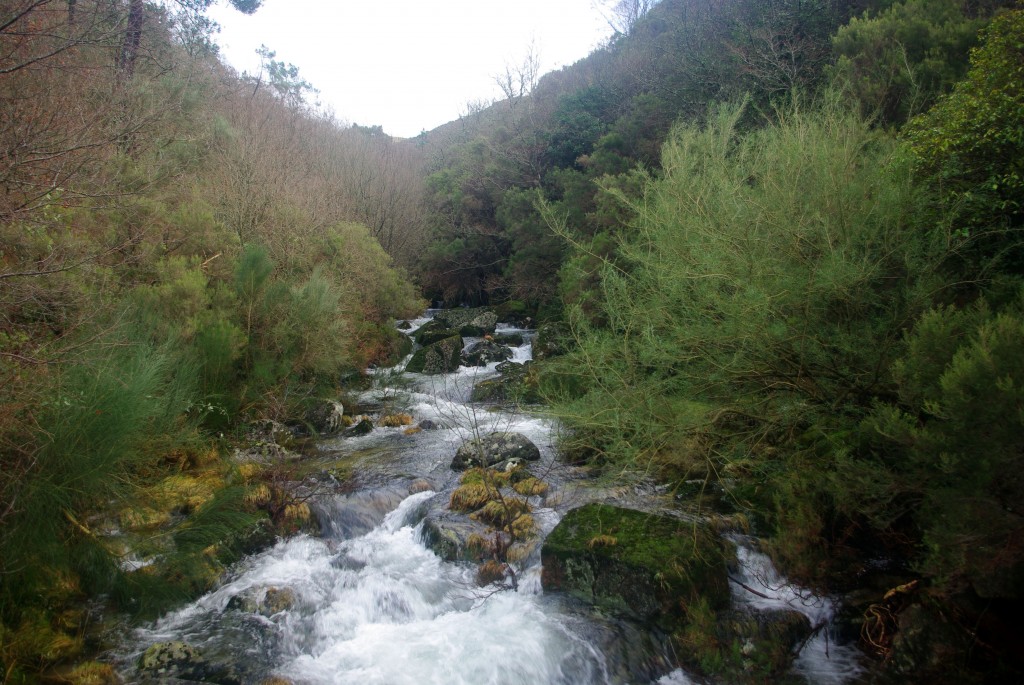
(408,65)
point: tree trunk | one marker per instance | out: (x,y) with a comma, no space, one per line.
(132,38)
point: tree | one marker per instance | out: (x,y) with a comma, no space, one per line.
(136,19)
(624,14)
(971,144)
(897,61)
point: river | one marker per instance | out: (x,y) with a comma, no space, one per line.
(367,603)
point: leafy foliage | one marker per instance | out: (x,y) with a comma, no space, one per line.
(761,300)
(972,145)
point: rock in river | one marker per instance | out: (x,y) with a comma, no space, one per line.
(443,356)
(634,564)
(485,352)
(494,449)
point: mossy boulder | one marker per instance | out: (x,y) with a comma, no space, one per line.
(431,335)
(473,331)
(510,339)
(485,352)
(482,318)
(443,356)
(517,383)
(325,416)
(516,312)
(497,448)
(181,661)
(634,564)
(760,645)
(363,427)
(455,537)
(553,339)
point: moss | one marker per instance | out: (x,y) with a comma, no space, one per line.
(657,567)
(490,477)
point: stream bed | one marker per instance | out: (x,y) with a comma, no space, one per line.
(368,603)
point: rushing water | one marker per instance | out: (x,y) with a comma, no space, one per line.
(367,603)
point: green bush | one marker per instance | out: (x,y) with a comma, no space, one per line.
(954,443)
(756,306)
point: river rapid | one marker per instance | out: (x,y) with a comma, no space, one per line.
(368,603)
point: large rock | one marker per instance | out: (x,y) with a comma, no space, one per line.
(510,339)
(495,448)
(433,331)
(455,537)
(515,384)
(484,353)
(325,417)
(634,564)
(443,356)
(552,339)
(759,643)
(177,660)
(481,318)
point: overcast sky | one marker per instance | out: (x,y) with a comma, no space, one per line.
(408,65)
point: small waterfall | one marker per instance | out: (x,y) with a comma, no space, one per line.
(821,660)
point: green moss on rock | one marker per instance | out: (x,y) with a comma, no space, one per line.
(656,568)
(443,356)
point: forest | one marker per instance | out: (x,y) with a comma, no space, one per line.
(781,240)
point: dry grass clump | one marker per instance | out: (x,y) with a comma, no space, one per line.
(522,527)
(498,513)
(469,497)
(602,541)
(490,571)
(395,420)
(530,487)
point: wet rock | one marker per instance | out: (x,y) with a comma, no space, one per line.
(765,642)
(181,661)
(428,425)
(473,331)
(482,318)
(510,339)
(325,417)
(277,600)
(443,356)
(552,339)
(630,563)
(362,428)
(404,325)
(484,353)
(494,449)
(454,537)
(515,384)
(434,334)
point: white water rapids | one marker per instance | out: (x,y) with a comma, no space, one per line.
(370,604)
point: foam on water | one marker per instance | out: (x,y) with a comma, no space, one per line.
(821,660)
(370,604)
